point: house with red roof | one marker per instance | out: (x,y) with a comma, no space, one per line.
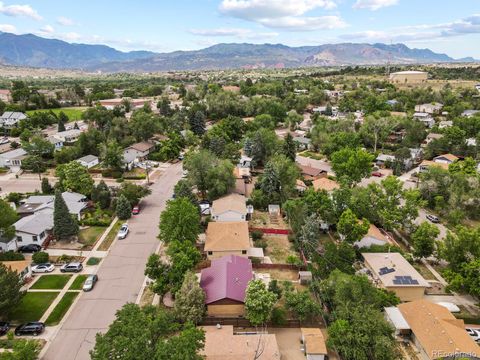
(225,283)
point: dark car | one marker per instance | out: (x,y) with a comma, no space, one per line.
(30,248)
(31,328)
(71,267)
(377,174)
(4,327)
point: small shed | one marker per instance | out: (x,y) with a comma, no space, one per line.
(314,344)
(274,210)
(305,277)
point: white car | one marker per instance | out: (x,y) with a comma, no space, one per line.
(4,140)
(475,334)
(123,232)
(43,268)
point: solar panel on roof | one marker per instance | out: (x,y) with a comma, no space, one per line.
(396,282)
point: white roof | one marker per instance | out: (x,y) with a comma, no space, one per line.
(88,158)
(397,318)
(411,72)
(385,157)
(75,201)
(13,154)
(450,306)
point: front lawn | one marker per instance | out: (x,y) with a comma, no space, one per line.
(32,306)
(105,245)
(60,310)
(77,284)
(51,282)
(90,235)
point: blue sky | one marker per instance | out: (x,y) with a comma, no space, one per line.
(452,27)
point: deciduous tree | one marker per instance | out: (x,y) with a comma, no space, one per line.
(259,303)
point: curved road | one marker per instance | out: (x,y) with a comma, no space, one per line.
(121,275)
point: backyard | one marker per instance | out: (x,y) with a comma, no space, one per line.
(32,306)
(73,113)
(278,248)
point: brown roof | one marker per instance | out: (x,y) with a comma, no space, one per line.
(433,163)
(18,265)
(142,146)
(231,202)
(223,344)
(309,170)
(450,157)
(314,341)
(437,330)
(325,184)
(225,236)
(375,232)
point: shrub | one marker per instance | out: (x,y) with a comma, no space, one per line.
(256,235)
(40,257)
(261,244)
(65,258)
(294,260)
(11,256)
(275,288)
(279,316)
(112,173)
(93,261)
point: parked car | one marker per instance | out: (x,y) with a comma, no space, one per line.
(43,268)
(72,267)
(90,282)
(4,327)
(433,218)
(123,232)
(136,210)
(30,248)
(4,140)
(377,174)
(31,328)
(474,333)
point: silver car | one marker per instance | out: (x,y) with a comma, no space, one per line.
(43,268)
(123,232)
(90,282)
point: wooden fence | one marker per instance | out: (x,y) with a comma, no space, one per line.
(244,323)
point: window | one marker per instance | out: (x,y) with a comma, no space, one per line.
(42,235)
(210,253)
(19,239)
(244,252)
(35,238)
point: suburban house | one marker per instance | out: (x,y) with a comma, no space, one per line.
(10,119)
(221,342)
(314,344)
(311,173)
(445,124)
(469,113)
(383,159)
(303,143)
(445,159)
(325,184)
(373,237)
(426,164)
(58,143)
(35,204)
(227,238)
(5,95)
(12,158)
(225,283)
(231,207)
(138,151)
(427,119)
(33,229)
(436,333)
(7,244)
(431,137)
(22,267)
(68,136)
(88,161)
(432,108)
(393,272)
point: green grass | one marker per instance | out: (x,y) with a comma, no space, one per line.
(77,284)
(93,261)
(60,310)
(90,235)
(73,113)
(51,282)
(105,245)
(32,306)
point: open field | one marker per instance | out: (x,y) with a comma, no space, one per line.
(73,113)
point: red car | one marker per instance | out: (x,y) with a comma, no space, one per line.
(136,210)
(377,174)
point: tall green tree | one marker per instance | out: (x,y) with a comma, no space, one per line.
(8,218)
(279,178)
(75,177)
(133,192)
(10,293)
(46,187)
(112,155)
(197,123)
(123,209)
(35,164)
(184,189)
(424,239)
(351,228)
(259,303)
(302,304)
(352,165)
(190,300)
(289,147)
(64,225)
(260,145)
(180,221)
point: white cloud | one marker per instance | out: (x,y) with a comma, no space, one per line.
(47,29)
(19,10)
(286,14)
(468,25)
(64,21)
(233,32)
(374,4)
(8,28)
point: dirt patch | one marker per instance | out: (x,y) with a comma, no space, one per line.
(261,219)
(289,343)
(281,275)
(147,296)
(278,248)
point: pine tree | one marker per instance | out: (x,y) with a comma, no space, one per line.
(124,209)
(64,225)
(197,123)
(46,187)
(289,147)
(61,125)
(190,300)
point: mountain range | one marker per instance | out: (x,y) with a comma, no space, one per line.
(34,51)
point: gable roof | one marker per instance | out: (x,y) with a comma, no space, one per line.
(75,202)
(325,184)
(437,330)
(231,202)
(314,341)
(13,115)
(14,154)
(226,278)
(397,265)
(34,224)
(449,157)
(226,236)
(142,146)
(310,171)
(88,158)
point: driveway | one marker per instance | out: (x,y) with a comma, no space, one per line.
(121,275)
